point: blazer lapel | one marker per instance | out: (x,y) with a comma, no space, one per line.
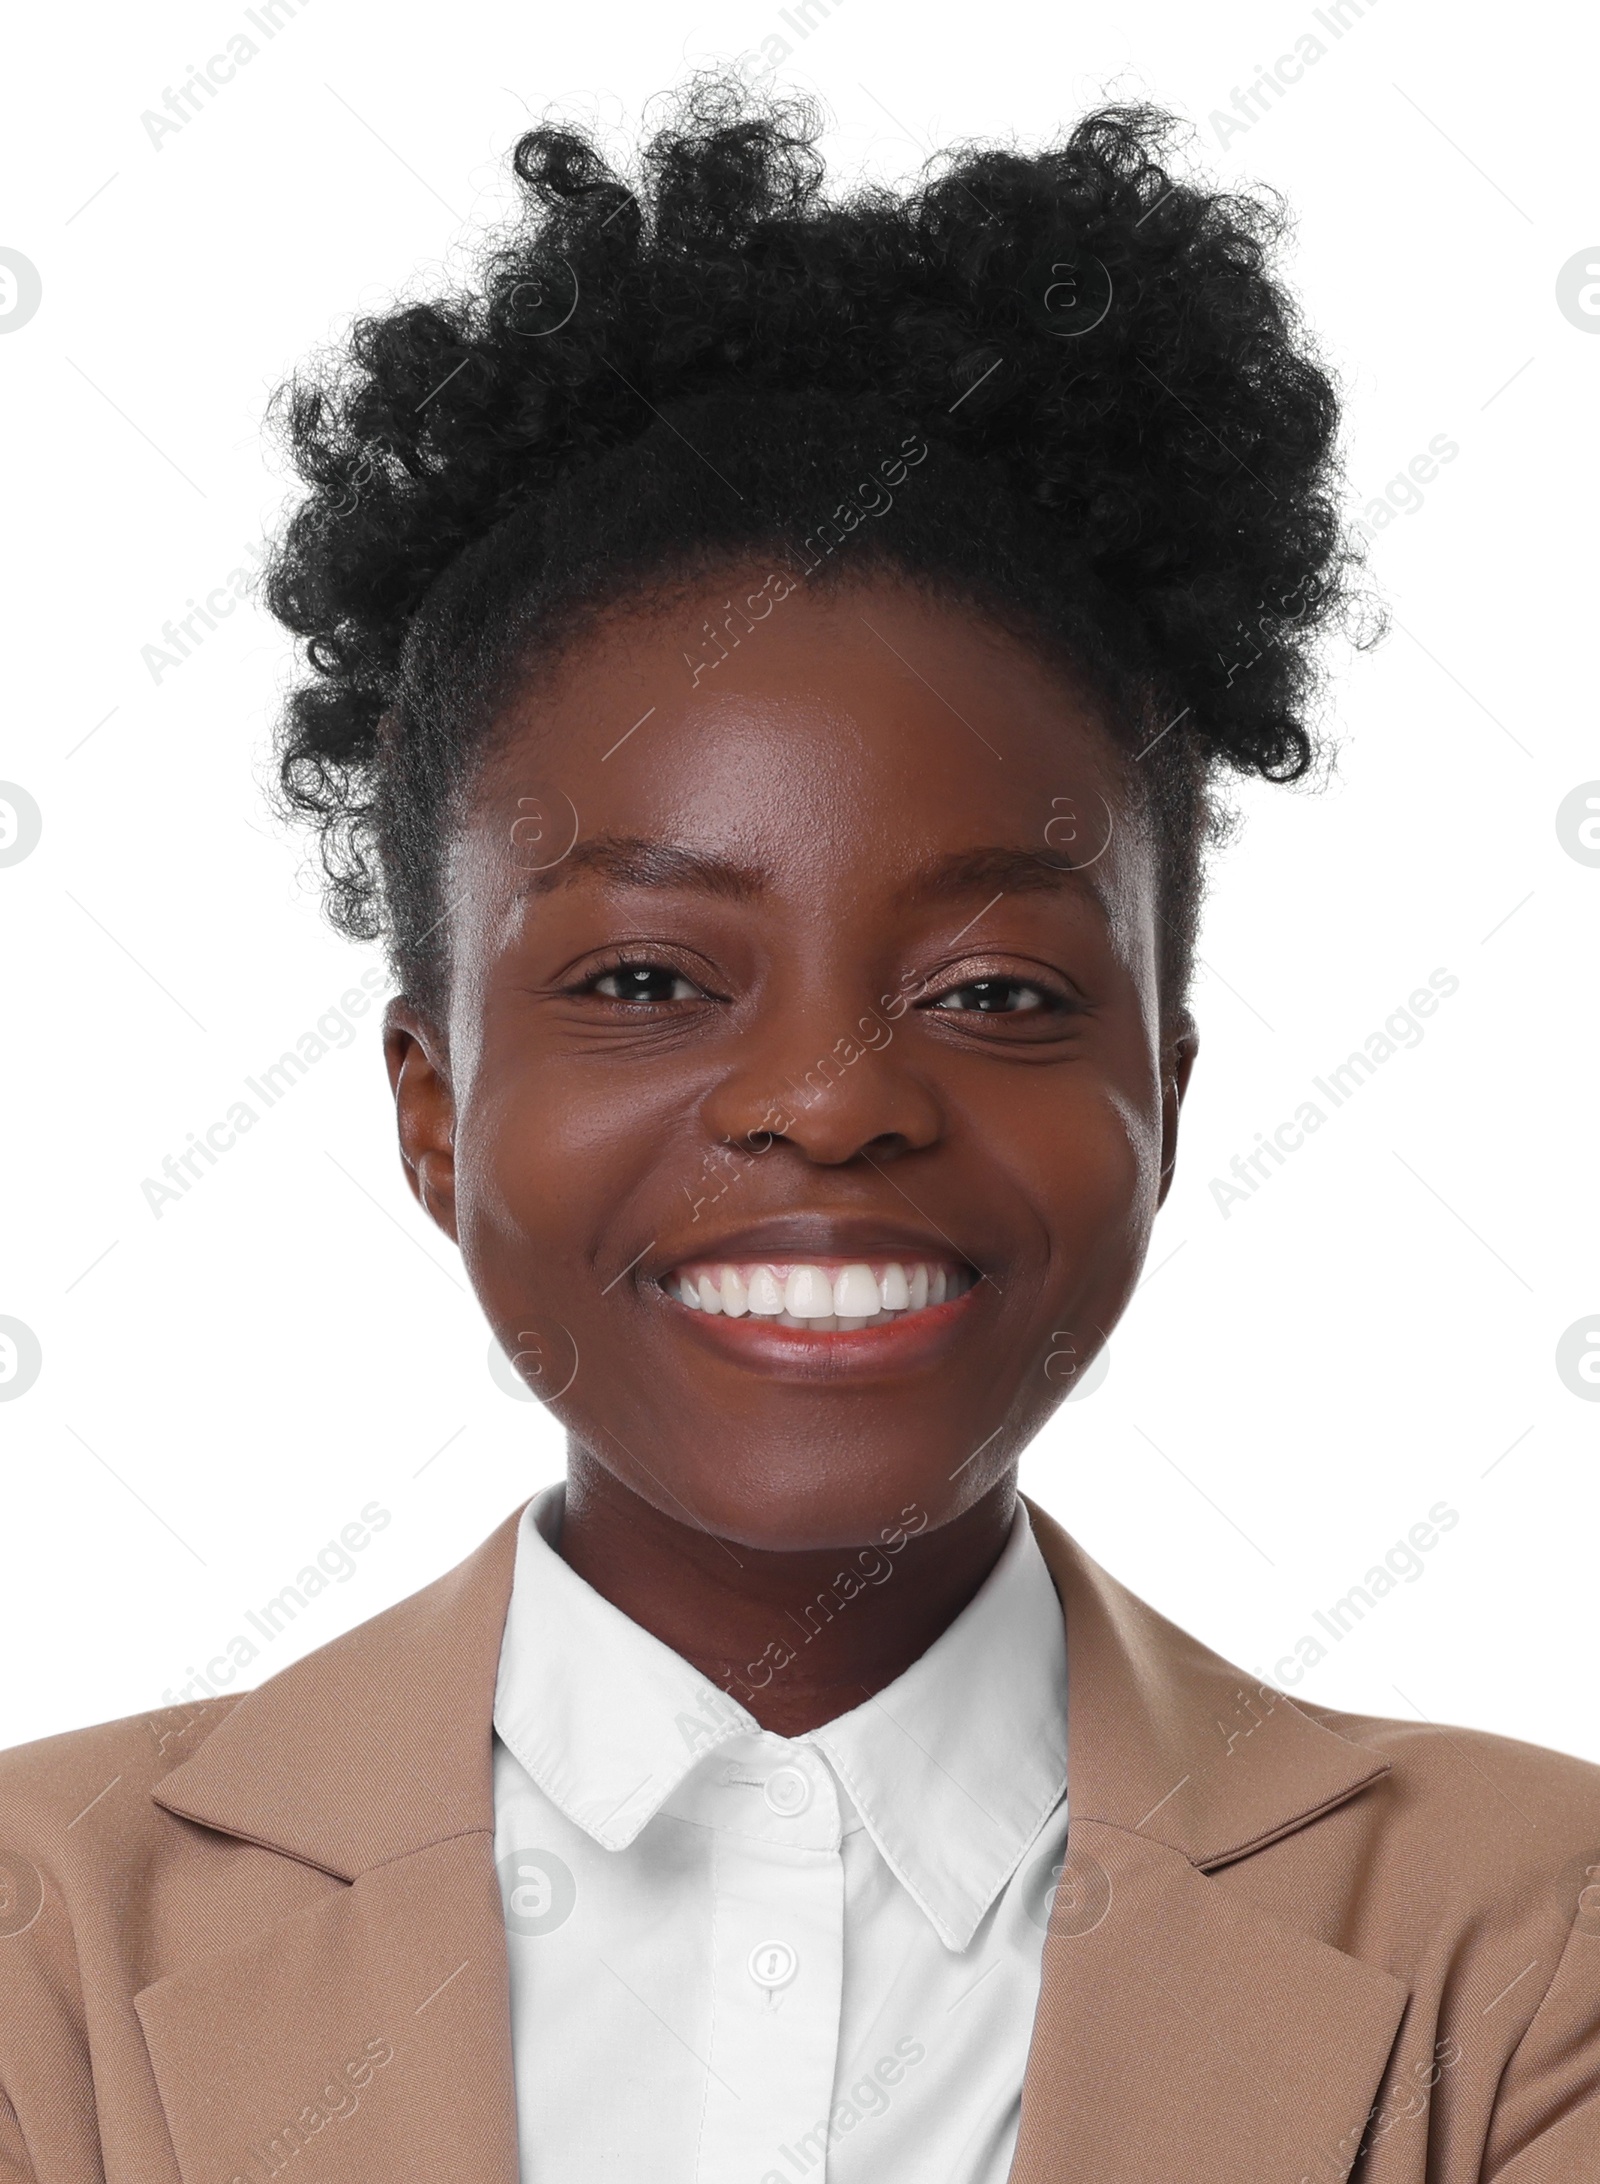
(365,2017)
(1182,2033)
(372,2029)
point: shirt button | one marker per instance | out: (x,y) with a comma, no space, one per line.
(773,1964)
(787,1791)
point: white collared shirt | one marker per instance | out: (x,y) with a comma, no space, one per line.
(740,1958)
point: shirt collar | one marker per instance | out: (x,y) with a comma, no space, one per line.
(604,1717)
(953,1767)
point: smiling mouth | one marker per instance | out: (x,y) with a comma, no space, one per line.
(818,1296)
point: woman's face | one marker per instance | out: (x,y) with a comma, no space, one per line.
(809,983)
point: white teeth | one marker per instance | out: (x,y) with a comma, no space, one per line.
(855,1293)
(816,1296)
(808,1293)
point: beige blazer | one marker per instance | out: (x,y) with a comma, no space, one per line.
(263,1937)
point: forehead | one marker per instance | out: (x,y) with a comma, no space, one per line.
(829,740)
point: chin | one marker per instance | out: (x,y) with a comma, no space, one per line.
(805,1497)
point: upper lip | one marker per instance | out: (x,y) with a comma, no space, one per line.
(803,1236)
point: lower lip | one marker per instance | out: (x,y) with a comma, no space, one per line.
(899,1345)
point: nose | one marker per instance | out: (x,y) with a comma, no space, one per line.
(834,1096)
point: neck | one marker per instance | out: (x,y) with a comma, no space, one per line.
(796,1638)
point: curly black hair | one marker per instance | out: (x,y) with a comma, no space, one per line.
(1128,459)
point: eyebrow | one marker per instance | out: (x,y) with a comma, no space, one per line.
(1006,869)
(632,860)
(1003,869)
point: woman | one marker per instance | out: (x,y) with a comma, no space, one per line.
(770,661)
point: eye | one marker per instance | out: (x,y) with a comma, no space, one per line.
(999,997)
(642,982)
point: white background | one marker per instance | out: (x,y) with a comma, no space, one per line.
(1373,1332)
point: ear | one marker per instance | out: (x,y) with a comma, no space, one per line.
(425,1111)
(1180,1062)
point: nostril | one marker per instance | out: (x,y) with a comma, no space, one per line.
(890,1146)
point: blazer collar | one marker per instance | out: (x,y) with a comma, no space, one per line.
(373,1747)
(1169,1741)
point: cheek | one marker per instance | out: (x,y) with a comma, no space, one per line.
(1114,1170)
(1090,1162)
(551,1156)
(520,1182)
